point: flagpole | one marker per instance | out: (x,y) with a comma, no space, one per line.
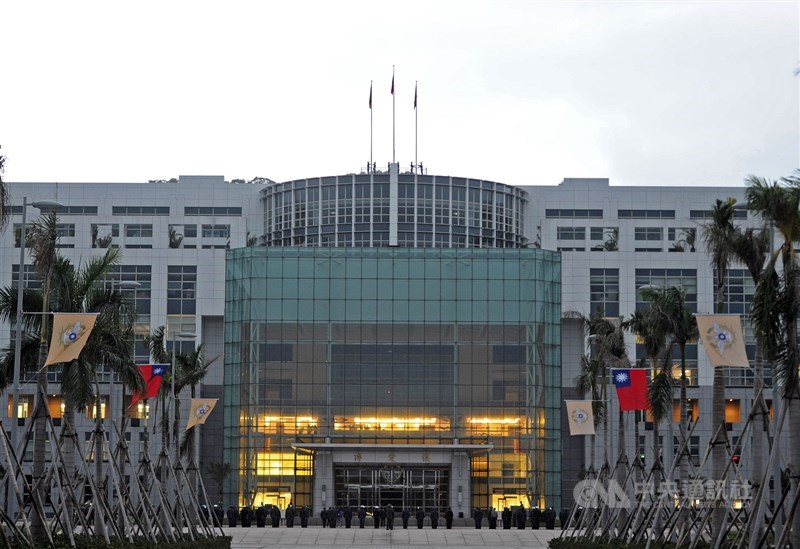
(393,119)
(416,125)
(369,166)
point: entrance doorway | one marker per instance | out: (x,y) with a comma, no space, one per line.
(399,485)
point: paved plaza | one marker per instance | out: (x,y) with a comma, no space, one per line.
(317,537)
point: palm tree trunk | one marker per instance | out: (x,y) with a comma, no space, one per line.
(70,435)
(40,433)
(191,434)
(622,468)
(719,454)
(99,443)
(683,464)
(657,471)
(759,443)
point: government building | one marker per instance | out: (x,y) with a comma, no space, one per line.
(390,336)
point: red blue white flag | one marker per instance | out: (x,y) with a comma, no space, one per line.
(153,375)
(631,389)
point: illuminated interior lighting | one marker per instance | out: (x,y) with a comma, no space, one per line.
(495,421)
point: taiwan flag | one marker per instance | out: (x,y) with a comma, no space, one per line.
(631,389)
(153,375)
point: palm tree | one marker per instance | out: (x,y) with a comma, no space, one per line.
(719,236)
(652,333)
(219,472)
(43,236)
(110,342)
(671,310)
(752,248)
(777,302)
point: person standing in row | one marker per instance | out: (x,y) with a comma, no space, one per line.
(478,516)
(362,516)
(520,516)
(348,516)
(405,515)
(536,517)
(492,518)
(390,517)
(506,516)
(376,518)
(232,516)
(290,516)
(448,518)
(275,515)
(420,517)
(434,518)
(261,513)
(304,517)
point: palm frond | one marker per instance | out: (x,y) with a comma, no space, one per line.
(661,396)
(42,237)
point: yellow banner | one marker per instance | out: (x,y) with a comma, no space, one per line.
(723,340)
(581,417)
(70,333)
(199,410)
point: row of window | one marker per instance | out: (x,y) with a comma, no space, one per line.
(142,210)
(633,214)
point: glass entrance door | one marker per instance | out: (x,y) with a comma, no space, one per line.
(400,485)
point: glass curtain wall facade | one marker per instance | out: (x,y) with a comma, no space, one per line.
(360,375)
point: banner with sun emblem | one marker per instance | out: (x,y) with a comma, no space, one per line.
(199,410)
(581,417)
(723,340)
(70,333)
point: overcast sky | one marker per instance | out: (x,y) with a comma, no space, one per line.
(650,93)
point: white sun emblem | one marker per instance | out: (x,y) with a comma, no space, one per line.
(622,377)
(721,337)
(580,416)
(201,411)
(71,335)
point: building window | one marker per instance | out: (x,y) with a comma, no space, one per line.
(103,235)
(380,203)
(739,293)
(683,239)
(738,213)
(571,233)
(646,214)
(139,231)
(693,448)
(216,231)
(573,214)
(65,230)
(181,289)
(604,292)
(75,210)
(648,233)
(216,210)
(733,410)
(140,210)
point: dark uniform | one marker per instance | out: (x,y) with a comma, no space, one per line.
(376,518)
(389,517)
(550,518)
(420,517)
(434,518)
(232,516)
(324,516)
(536,518)
(448,518)
(348,517)
(506,516)
(563,517)
(304,517)
(492,518)
(290,516)
(219,515)
(244,514)
(261,516)
(362,516)
(520,516)
(405,515)
(275,515)
(478,516)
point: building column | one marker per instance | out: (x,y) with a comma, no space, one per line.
(394,177)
